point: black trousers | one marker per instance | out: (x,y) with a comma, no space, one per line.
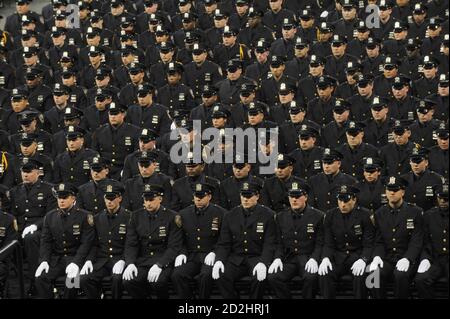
(31,244)
(425,281)
(91,283)
(226,281)
(401,280)
(185,273)
(279,281)
(45,283)
(4,270)
(140,288)
(328,281)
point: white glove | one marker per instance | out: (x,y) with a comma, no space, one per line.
(130,272)
(181,259)
(261,271)
(209,259)
(153,273)
(218,266)
(276,265)
(424,266)
(324,265)
(118,267)
(87,268)
(358,267)
(402,265)
(312,266)
(376,262)
(42,267)
(29,230)
(72,270)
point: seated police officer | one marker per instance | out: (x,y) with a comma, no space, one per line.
(434,257)
(398,240)
(30,201)
(246,245)
(200,224)
(371,190)
(299,245)
(66,239)
(348,244)
(153,241)
(106,256)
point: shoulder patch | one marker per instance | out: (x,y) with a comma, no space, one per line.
(90,220)
(178,221)
(16,228)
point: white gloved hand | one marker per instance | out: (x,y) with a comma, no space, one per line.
(209,259)
(153,273)
(181,259)
(29,230)
(87,268)
(42,267)
(324,14)
(312,266)
(260,271)
(358,267)
(424,266)
(377,262)
(276,265)
(72,270)
(130,272)
(118,267)
(402,265)
(324,265)
(218,267)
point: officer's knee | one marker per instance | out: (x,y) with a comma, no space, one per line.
(421,279)
(400,275)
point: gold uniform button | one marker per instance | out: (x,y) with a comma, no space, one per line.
(110,256)
(347,252)
(110,249)
(245,249)
(393,229)
(394,249)
(198,247)
(198,238)
(393,239)
(198,229)
(295,249)
(245,241)
(245,233)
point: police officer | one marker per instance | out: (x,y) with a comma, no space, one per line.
(339,58)
(378,127)
(421,180)
(274,192)
(334,133)
(383,82)
(90,194)
(325,184)
(203,112)
(260,68)
(147,142)
(371,190)
(182,187)
(395,155)
(300,240)
(434,258)
(28,150)
(72,166)
(403,104)
(349,239)
(147,165)
(423,129)
(441,98)
(29,202)
(67,237)
(279,112)
(438,157)
(308,156)
(106,256)
(307,89)
(54,117)
(362,100)
(175,94)
(153,241)
(320,108)
(230,49)
(116,139)
(246,245)
(200,71)
(398,240)
(8,233)
(200,224)
(230,187)
(428,84)
(355,149)
(30,123)
(228,88)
